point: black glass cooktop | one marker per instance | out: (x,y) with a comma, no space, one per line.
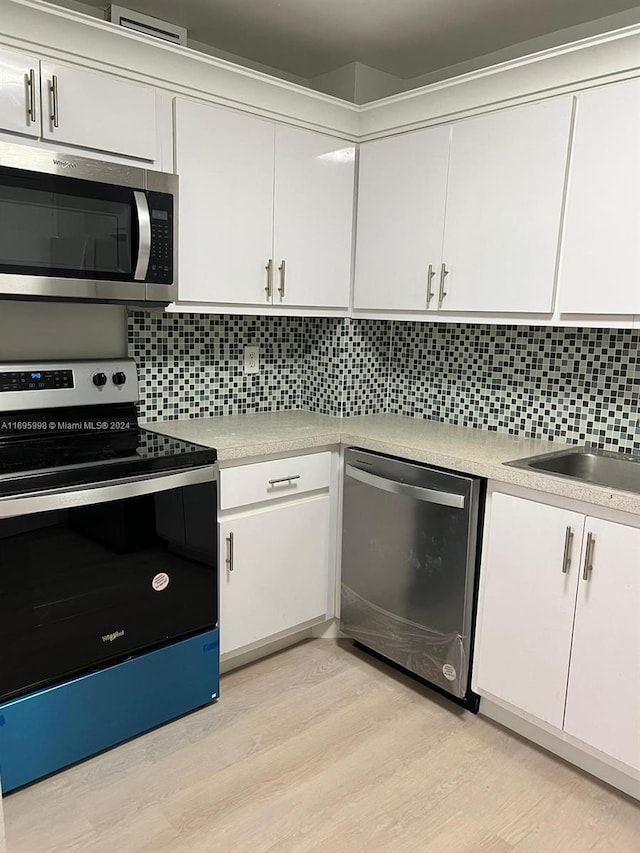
(80,446)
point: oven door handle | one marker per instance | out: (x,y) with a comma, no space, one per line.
(432,496)
(144,235)
(96,493)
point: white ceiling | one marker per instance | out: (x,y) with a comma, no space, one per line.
(405,38)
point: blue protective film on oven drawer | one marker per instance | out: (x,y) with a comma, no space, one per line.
(52,728)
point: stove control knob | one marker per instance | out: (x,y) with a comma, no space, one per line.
(99,379)
(119,378)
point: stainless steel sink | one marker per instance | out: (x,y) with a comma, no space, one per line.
(589,465)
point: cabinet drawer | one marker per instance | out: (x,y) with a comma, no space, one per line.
(264,481)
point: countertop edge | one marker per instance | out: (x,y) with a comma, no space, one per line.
(346,433)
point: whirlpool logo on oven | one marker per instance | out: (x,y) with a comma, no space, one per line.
(109,638)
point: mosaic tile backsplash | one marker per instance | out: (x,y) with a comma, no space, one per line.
(576,385)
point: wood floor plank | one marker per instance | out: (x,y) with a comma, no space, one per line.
(321,748)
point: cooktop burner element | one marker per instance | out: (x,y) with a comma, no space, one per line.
(68,423)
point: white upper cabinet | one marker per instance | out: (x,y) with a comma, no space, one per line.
(224,161)
(504,204)
(265,211)
(464,218)
(530,567)
(19,93)
(401,203)
(314,187)
(71,108)
(98,112)
(603,696)
(600,260)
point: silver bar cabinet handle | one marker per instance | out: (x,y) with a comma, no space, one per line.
(566,559)
(588,556)
(31,85)
(444,272)
(144,235)
(53,88)
(284,479)
(430,274)
(269,285)
(282,271)
(229,560)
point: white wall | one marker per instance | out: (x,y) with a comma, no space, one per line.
(56,330)
(526,48)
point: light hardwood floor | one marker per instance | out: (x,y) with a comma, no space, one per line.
(320,748)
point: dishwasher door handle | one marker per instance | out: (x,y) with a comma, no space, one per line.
(432,496)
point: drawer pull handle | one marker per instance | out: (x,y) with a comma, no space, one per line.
(229,560)
(566,560)
(284,479)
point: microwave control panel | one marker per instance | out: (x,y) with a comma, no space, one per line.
(161,256)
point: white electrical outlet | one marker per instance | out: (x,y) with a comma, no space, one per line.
(252,359)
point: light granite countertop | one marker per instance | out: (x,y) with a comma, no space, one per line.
(463,449)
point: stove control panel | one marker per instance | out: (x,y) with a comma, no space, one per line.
(48,384)
(32,380)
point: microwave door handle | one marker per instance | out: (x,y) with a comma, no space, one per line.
(144,235)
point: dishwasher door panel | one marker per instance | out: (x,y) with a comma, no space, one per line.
(408,565)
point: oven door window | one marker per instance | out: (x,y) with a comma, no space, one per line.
(84,587)
(63,227)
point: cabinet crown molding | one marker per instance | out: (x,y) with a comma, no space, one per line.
(37,26)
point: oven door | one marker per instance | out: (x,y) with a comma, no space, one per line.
(80,229)
(92,575)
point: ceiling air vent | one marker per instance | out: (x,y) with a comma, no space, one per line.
(149,26)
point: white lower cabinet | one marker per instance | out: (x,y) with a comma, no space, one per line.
(603,694)
(275,548)
(276,577)
(558,634)
(529,599)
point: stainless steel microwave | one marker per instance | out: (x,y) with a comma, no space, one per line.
(81,229)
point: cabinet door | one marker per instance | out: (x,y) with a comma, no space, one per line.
(280,570)
(97,111)
(314,186)
(600,255)
(603,697)
(225,164)
(19,93)
(528,603)
(402,186)
(504,202)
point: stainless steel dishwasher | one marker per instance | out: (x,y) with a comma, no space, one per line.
(410,536)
